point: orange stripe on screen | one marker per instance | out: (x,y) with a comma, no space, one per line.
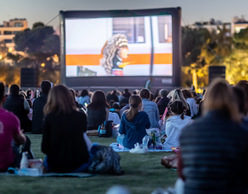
(133,59)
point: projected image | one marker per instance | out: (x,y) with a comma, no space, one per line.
(114,51)
(128,46)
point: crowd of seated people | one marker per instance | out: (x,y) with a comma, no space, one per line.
(209,129)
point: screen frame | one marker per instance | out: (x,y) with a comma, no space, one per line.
(125,81)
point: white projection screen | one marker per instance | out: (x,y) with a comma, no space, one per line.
(127,44)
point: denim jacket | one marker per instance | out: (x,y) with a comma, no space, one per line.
(151,109)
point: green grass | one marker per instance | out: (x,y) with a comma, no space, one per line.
(143,174)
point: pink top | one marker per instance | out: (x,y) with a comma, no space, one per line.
(9,126)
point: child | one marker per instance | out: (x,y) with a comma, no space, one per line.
(134,123)
(174,124)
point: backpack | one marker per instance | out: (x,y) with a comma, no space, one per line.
(105,160)
(105,129)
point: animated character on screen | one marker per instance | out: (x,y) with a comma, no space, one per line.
(114,51)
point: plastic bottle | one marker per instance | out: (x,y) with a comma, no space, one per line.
(153,138)
(145,141)
(24,160)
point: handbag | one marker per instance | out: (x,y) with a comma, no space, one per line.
(105,129)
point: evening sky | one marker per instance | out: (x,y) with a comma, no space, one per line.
(192,10)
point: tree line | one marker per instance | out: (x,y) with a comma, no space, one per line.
(40,48)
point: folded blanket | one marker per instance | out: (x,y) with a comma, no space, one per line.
(119,148)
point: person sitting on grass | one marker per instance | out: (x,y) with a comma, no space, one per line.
(97,110)
(174,124)
(134,123)
(150,108)
(63,139)
(38,105)
(84,98)
(19,106)
(191,102)
(214,149)
(10,136)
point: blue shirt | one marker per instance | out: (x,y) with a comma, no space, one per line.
(135,130)
(151,109)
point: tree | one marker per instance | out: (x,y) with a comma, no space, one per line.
(193,40)
(237,62)
(236,66)
(201,49)
(41,44)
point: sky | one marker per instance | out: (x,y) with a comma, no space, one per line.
(192,10)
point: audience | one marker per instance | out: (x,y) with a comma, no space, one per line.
(213,157)
(10,136)
(150,108)
(134,123)
(19,106)
(191,102)
(84,98)
(213,152)
(174,124)
(178,95)
(38,106)
(63,141)
(97,110)
(163,102)
(112,96)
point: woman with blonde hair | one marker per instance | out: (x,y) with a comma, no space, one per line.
(213,157)
(63,141)
(177,95)
(134,123)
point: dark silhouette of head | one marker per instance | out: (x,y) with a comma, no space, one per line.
(144,93)
(84,93)
(163,93)
(98,100)
(45,86)
(14,90)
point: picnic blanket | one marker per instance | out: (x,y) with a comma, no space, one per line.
(118,148)
(77,175)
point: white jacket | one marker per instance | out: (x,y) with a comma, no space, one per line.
(174,126)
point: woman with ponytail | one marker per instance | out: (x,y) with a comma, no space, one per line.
(175,123)
(134,123)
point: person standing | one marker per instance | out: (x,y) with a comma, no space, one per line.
(38,106)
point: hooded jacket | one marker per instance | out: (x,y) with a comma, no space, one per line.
(174,126)
(134,130)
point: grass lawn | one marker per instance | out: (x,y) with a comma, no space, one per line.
(143,174)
